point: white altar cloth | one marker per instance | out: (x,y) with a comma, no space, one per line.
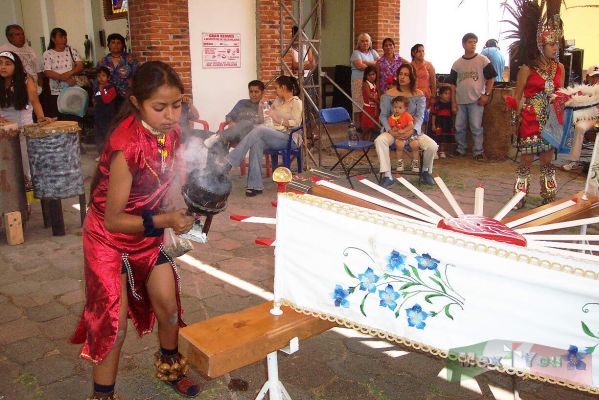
(436,290)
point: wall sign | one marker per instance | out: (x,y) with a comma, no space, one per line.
(221,50)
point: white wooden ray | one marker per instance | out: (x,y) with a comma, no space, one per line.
(447,193)
(401,200)
(540,214)
(423,197)
(374,200)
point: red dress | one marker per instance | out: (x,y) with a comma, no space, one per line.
(106,252)
(537,91)
(370,107)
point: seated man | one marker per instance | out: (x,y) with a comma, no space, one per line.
(242,118)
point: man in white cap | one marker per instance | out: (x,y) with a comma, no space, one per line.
(581,127)
(17,44)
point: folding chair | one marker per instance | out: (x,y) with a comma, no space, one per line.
(287,153)
(336,115)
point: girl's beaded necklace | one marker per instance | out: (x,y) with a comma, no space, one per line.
(161,143)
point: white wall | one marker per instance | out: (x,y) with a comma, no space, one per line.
(440,25)
(216,91)
(10,13)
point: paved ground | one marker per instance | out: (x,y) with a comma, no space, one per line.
(41,296)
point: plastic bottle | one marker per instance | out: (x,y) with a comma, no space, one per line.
(352,135)
(266,112)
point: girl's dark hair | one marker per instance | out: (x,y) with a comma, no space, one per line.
(55,31)
(17,97)
(412,77)
(146,81)
(105,70)
(119,37)
(388,40)
(290,83)
(368,70)
(444,89)
(415,48)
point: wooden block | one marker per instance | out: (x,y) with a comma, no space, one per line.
(231,341)
(13,228)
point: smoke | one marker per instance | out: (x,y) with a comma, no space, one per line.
(206,168)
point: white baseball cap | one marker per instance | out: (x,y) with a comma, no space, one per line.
(593,70)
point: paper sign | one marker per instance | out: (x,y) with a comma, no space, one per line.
(221,50)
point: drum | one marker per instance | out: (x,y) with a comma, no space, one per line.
(12,180)
(55,159)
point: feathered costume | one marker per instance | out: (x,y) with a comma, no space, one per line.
(534,31)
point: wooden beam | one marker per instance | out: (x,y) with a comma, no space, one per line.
(232,341)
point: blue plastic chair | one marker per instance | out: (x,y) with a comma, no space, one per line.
(336,115)
(287,153)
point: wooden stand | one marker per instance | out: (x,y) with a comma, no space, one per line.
(231,341)
(13,227)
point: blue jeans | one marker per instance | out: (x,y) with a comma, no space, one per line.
(471,113)
(258,140)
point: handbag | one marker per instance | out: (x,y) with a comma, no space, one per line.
(81,79)
(73,100)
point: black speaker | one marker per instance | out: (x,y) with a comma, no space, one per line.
(568,67)
(343,79)
(577,65)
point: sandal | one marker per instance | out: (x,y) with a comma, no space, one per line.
(252,192)
(104,396)
(172,370)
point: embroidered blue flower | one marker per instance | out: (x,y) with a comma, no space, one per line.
(574,359)
(416,317)
(388,297)
(396,261)
(425,261)
(340,296)
(368,280)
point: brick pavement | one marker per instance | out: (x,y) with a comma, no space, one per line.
(41,296)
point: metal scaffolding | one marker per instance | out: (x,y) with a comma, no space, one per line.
(311,84)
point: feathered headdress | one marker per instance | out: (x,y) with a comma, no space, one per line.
(531,30)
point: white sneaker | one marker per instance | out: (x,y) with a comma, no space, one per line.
(400,167)
(442,154)
(211,140)
(415,166)
(572,166)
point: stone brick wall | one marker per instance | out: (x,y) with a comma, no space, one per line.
(160,31)
(378,18)
(268,45)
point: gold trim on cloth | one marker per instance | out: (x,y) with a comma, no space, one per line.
(437,352)
(452,238)
(44,129)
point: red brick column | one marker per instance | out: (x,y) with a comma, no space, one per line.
(160,31)
(268,46)
(378,18)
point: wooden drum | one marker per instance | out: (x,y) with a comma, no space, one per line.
(12,180)
(55,159)
(498,129)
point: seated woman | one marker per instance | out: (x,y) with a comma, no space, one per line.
(286,113)
(406,87)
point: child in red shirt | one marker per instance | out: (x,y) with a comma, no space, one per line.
(402,128)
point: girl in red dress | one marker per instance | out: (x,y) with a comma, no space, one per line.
(127,272)
(371,103)
(539,76)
